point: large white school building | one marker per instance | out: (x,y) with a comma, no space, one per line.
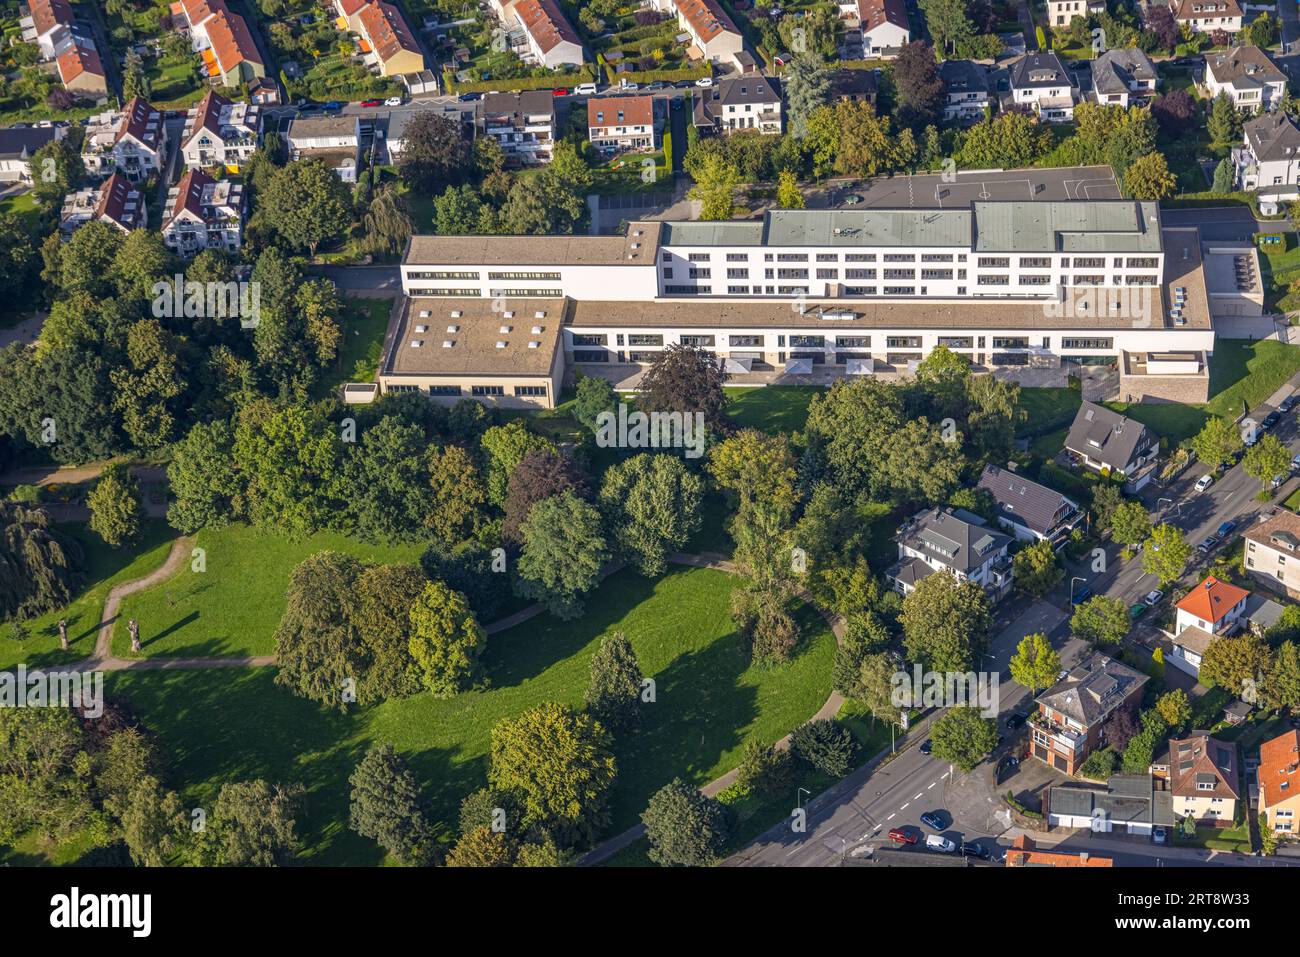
(506,318)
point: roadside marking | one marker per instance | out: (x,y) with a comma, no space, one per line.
(919,794)
(932,784)
(944,775)
(905,806)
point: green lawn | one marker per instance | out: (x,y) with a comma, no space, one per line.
(1249,371)
(225,725)
(1169,420)
(24,206)
(364,326)
(775,408)
(105,567)
(1047,410)
(234,606)
(1280,268)
(1217,838)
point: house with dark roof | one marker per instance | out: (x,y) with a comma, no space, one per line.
(1270,153)
(334,140)
(1072,717)
(854,86)
(1202,775)
(1108,442)
(746,102)
(523,123)
(132,141)
(1207,16)
(116,201)
(203,213)
(1120,77)
(18,143)
(1041,82)
(1133,804)
(1273,552)
(954,541)
(220,133)
(1031,512)
(1248,75)
(966,90)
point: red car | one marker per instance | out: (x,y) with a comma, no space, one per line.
(901,836)
(560,92)
(372,102)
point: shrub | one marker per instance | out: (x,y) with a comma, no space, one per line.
(825,745)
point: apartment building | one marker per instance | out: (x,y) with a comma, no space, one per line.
(954,541)
(739,103)
(523,123)
(1072,715)
(1207,16)
(1029,511)
(1211,610)
(885,28)
(1270,154)
(621,122)
(1248,75)
(222,39)
(333,140)
(1123,77)
(203,213)
(966,90)
(1110,443)
(116,201)
(1041,82)
(714,37)
(1203,778)
(1273,552)
(220,133)
(1061,12)
(18,143)
(132,141)
(1279,783)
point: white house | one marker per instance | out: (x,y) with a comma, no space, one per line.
(746,102)
(1270,155)
(523,123)
(966,90)
(1120,77)
(116,201)
(621,122)
(953,541)
(884,28)
(132,141)
(1110,443)
(1041,82)
(203,213)
(334,140)
(1248,76)
(1207,16)
(18,143)
(550,39)
(713,36)
(1209,611)
(220,133)
(1061,12)
(1031,512)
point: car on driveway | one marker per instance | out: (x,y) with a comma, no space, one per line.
(903,835)
(932,820)
(1154,596)
(852,199)
(1138,610)
(1270,420)
(1227,528)
(936,842)
(1204,482)
(976,850)
(926,746)
(1209,544)
(1016,720)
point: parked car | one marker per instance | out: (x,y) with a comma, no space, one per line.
(1204,482)
(393,101)
(1227,528)
(1287,404)
(469,97)
(1295,462)
(371,103)
(626,87)
(1082,595)
(1016,719)
(657,85)
(332,105)
(903,835)
(1277,480)
(976,850)
(1154,596)
(852,199)
(1271,420)
(936,842)
(585,89)
(704,81)
(1159,834)
(560,91)
(1209,544)
(927,746)
(932,820)
(1138,610)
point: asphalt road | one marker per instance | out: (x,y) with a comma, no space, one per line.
(896,795)
(1222,223)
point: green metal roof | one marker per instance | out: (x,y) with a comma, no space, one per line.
(713,234)
(1103,226)
(869,227)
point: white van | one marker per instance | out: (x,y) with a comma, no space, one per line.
(585,89)
(937,842)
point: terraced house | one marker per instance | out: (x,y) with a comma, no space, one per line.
(223,40)
(220,133)
(52,25)
(712,34)
(549,39)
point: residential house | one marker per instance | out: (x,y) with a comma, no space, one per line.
(885,29)
(1279,783)
(220,133)
(1031,512)
(52,26)
(1061,12)
(1041,82)
(264,91)
(222,39)
(966,90)
(621,122)
(394,130)
(387,41)
(550,39)
(854,86)
(1131,804)
(49,24)
(1108,442)
(18,143)
(1072,716)
(1120,77)
(1273,552)
(1203,777)
(953,541)
(1024,853)
(523,123)
(132,141)
(203,213)
(116,201)
(748,102)
(334,140)
(1270,154)
(713,36)
(1248,75)
(82,72)
(1207,16)
(1211,610)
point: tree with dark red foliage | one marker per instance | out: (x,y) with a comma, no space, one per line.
(686,379)
(540,474)
(1121,726)
(920,88)
(1174,112)
(1160,23)
(1220,38)
(59,99)
(647,18)
(982,15)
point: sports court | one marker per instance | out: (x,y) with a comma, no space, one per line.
(960,189)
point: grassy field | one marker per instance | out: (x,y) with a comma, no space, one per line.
(234,606)
(363,341)
(1217,838)
(1248,371)
(1280,267)
(1047,410)
(105,567)
(22,205)
(1170,421)
(776,408)
(226,725)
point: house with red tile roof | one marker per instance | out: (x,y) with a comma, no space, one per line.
(621,122)
(1025,853)
(552,40)
(203,213)
(1211,610)
(713,35)
(885,27)
(49,25)
(1279,783)
(132,141)
(82,72)
(116,201)
(223,40)
(52,26)
(387,41)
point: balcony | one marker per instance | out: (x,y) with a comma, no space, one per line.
(1071,739)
